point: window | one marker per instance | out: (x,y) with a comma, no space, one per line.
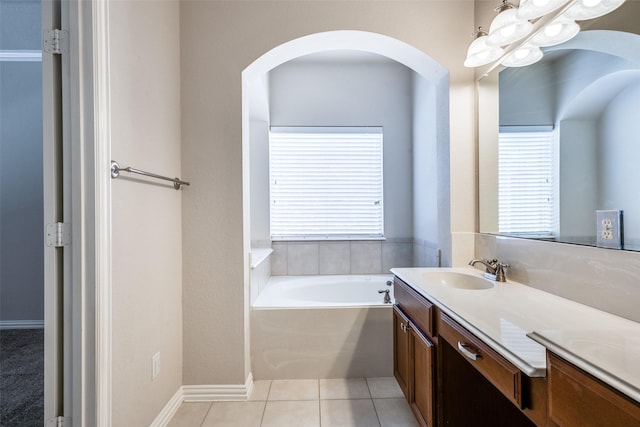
(525,183)
(326,183)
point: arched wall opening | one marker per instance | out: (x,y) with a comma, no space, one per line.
(430,165)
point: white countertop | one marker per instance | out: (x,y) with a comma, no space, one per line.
(510,316)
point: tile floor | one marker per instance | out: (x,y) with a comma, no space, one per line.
(300,403)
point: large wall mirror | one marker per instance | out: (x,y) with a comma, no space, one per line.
(568,127)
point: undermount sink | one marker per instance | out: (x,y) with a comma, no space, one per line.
(458,280)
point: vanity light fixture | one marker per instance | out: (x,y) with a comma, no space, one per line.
(507,27)
(558,31)
(525,55)
(480,52)
(511,31)
(532,9)
(589,9)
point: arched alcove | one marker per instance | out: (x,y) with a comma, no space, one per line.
(434,81)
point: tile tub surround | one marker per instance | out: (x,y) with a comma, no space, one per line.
(343,257)
(298,343)
(316,403)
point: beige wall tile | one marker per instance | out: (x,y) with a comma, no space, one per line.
(366,257)
(334,258)
(302,258)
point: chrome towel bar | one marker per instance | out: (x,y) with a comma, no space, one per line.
(116,169)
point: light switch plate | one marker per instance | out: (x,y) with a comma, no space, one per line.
(609,229)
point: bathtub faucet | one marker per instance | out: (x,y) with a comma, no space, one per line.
(387,297)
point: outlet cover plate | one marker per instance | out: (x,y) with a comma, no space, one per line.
(155,366)
(609,229)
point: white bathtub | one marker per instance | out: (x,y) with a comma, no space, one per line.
(322,327)
(324,291)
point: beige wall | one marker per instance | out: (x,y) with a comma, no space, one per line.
(146,227)
(218,39)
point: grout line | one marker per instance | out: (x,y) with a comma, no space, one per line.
(205,415)
(264,408)
(375,409)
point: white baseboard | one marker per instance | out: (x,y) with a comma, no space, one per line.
(21,324)
(202,393)
(207,393)
(169,410)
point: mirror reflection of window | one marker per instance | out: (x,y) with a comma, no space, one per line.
(526,182)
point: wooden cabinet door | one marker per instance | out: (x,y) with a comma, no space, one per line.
(401,361)
(422,396)
(578,399)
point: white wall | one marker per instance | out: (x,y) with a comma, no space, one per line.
(618,160)
(370,92)
(218,41)
(352,89)
(578,180)
(426,247)
(146,215)
(21,198)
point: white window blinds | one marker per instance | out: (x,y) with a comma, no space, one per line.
(525,183)
(326,183)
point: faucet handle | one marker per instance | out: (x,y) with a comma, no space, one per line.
(500,271)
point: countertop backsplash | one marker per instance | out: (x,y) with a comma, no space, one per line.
(605,279)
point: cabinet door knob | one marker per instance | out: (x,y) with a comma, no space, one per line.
(462,346)
(404,327)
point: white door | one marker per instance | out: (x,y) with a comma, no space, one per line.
(57,273)
(31,267)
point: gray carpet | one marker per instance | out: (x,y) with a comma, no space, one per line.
(21,377)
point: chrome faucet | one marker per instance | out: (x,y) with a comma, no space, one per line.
(495,270)
(387,297)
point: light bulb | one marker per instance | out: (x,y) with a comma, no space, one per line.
(591,3)
(508,31)
(553,30)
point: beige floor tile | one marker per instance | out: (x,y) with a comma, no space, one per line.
(348,413)
(352,388)
(260,390)
(394,413)
(294,390)
(235,414)
(190,414)
(384,387)
(292,414)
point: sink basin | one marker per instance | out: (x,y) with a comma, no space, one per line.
(458,280)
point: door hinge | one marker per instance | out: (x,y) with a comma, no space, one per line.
(59,422)
(58,235)
(54,42)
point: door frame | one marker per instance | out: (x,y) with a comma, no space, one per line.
(87,199)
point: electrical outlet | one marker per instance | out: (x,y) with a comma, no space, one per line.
(609,229)
(155,366)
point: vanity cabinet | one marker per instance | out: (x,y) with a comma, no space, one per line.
(414,351)
(578,399)
(477,385)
